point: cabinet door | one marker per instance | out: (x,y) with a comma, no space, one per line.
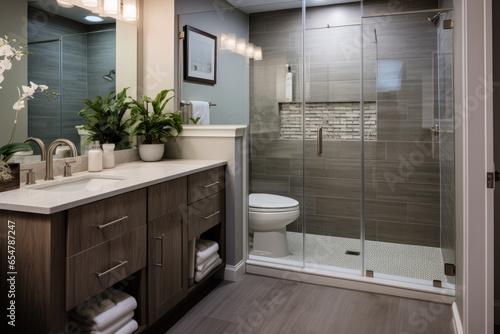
(167,263)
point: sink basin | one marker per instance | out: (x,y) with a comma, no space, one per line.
(87,182)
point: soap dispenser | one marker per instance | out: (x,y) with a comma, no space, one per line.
(289,85)
(95,157)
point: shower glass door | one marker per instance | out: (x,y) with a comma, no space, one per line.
(333,186)
(409,185)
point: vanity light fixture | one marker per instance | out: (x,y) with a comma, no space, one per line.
(111,6)
(257,54)
(241,46)
(65,4)
(250,50)
(229,42)
(130,10)
(92,18)
(90,3)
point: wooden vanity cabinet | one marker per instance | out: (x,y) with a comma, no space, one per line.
(167,246)
(139,238)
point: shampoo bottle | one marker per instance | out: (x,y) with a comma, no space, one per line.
(95,157)
(289,85)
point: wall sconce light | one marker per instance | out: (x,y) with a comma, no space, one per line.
(257,53)
(250,50)
(241,46)
(228,42)
(130,10)
(65,4)
(90,3)
(111,6)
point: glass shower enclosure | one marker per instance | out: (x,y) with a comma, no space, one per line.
(365,144)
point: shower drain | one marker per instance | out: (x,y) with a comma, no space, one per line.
(352,252)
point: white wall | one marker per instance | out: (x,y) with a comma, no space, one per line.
(158,38)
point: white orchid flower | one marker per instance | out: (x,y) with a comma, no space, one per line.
(5,65)
(33,85)
(42,87)
(27,91)
(18,105)
(6,50)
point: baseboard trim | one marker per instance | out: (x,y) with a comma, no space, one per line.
(234,273)
(456,319)
(437,295)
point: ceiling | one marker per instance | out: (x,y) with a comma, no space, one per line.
(76,13)
(257,6)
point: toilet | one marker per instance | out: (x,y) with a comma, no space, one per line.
(268,217)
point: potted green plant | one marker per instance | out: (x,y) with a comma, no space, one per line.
(155,125)
(105,117)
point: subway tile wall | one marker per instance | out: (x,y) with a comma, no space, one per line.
(401,167)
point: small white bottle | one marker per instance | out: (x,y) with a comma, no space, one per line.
(108,158)
(289,85)
(95,157)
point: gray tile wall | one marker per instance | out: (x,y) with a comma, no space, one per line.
(402,188)
(86,57)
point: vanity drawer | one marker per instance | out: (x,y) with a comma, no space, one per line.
(205,214)
(166,197)
(203,184)
(96,269)
(97,222)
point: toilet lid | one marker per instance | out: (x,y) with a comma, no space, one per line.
(271,201)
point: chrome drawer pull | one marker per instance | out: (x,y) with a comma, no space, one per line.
(112,223)
(211,184)
(110,270)
(160,264)
(213,214)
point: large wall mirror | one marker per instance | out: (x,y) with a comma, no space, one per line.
(76,58)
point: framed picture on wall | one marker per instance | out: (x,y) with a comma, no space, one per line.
(200,56)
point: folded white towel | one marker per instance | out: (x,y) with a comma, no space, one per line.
(201,109)
(88,310)
(201,274)
(129,328)
(111,329)
(124,303)
(208,262)
(205,249)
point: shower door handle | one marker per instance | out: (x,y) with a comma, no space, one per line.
(320,141)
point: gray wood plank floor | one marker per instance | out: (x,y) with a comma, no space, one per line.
(257,304)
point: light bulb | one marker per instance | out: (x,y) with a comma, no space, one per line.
(257,53)
(129,10)
(250,50)
(241,46)
(65,4)
(90,3)
(111,6)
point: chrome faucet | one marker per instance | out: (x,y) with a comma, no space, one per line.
(40,144)
(49,165)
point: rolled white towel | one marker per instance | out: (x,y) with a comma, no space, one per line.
(111,329)
(205,249)
(201,274)
(124,303)
(129,328)
(208,262)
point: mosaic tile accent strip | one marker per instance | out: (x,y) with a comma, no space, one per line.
(341,120)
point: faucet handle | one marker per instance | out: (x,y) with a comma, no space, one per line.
(30,176)
(67,168)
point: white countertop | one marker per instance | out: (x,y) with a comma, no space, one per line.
(136,175)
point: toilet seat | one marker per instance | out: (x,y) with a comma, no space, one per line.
(273,203)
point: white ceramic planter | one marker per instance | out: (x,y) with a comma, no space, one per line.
(151,152)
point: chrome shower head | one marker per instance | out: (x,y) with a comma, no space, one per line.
(108,76)
(435,19)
